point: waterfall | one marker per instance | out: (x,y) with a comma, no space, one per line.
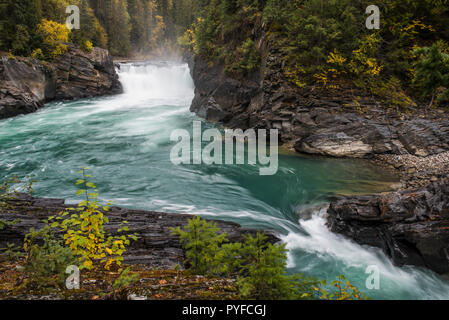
(167,81)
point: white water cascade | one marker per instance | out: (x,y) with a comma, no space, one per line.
(161,81)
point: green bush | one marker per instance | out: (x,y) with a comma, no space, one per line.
(263,270)
(259,265)
(125,280)
(229,258)
(201,241)
(46,257)
(4,224)
(84,232)
(12,252)
(432,73)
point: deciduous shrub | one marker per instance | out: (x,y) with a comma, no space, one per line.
(84,229)
(54,35)
(38,54)
(87,46)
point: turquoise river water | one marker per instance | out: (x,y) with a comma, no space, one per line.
(125,139)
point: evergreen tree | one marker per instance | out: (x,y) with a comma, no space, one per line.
(263,266)
(89,24)
(3,20)
(201,241)
(137,20)
(118,28)
(432,72)
(149,23)
(55,9)
(230,6)
(20,26)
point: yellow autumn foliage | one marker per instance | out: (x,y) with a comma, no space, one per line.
(54,36)
(84,231)
(87,46)
(190,38)
(336,58)
(411,30)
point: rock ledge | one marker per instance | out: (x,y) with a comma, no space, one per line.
(156,246)
(27,84)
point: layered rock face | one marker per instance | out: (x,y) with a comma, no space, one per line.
(156,246)
(411,226)
(313,120)
(22,87)
(26,84)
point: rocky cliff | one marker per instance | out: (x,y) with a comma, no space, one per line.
(27,84)
(411,226)
(343,122)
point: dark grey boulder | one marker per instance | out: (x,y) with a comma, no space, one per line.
(411,227)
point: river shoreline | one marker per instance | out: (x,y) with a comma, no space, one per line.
(156,256)
(416,172)
(156,247)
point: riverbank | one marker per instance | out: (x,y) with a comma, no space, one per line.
(156,259)
(414,171)
(156,247)
(98,284)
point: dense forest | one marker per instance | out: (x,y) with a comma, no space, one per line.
(122,26)
(323,42)
(327,43)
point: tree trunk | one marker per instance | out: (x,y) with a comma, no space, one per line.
(431,101)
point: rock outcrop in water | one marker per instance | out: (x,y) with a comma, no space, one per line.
(411,227)
(155,247)
(26,84)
